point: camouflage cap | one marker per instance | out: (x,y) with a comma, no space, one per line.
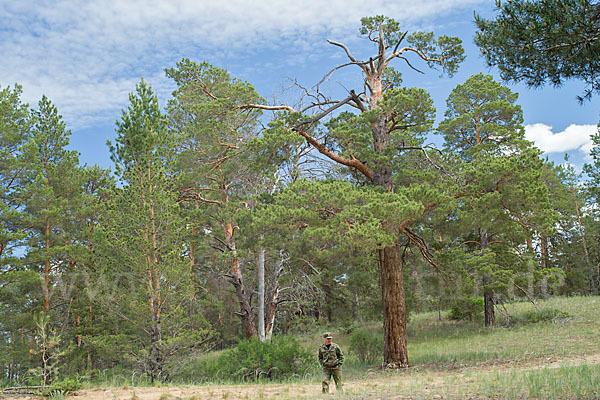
(327,335)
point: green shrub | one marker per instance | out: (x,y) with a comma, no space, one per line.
(61,387)
(466,308)
(67,384)
(367,344)
(252,360)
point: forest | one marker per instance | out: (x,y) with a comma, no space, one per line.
(229,221)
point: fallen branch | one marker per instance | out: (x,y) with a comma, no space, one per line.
(23,389)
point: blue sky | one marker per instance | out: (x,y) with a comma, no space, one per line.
(88,55)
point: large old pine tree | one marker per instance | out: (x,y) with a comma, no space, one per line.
(375,140)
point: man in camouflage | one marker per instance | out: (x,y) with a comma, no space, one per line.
(331,359)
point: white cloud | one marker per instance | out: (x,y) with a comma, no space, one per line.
(86,55)
(574,137)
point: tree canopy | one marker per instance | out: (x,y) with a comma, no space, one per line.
(541,42)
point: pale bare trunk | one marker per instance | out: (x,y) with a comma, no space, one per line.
(272,296)
(261,295)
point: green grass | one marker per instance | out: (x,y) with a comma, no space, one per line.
(435,343)
(532,335)
(579,382)
(467,360)
(439,343)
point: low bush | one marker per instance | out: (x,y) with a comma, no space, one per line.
(67,384)
(367,344)
(251,360)
(466,308)
(61,387)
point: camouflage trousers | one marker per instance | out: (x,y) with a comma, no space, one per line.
(336,373)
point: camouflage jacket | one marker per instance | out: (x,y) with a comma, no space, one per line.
(330,357)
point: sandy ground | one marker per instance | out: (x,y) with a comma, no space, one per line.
(371,387)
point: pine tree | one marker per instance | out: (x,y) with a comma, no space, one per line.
(144,279)
(49,200)
(218,172)
(379,144)
(16,283)
(504,200)
(542,42)
(14,128)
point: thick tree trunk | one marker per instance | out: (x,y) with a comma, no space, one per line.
(544,250)
(395,353)
(488,300)
(237,280)
(245,312)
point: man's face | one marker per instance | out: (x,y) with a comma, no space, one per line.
(328,340)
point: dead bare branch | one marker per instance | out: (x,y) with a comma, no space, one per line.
(352,162)
(318,105)
(399,41)
(527,295)
(411,66)
(424,250)
(223,243)
(357,101)
(343,46)
(326,112)
(416,51)
(263,107)
(423,149)
(316,271)
(359,63)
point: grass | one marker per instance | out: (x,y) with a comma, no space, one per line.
(465,343)
(577,382)
(519,358)
(449,347)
